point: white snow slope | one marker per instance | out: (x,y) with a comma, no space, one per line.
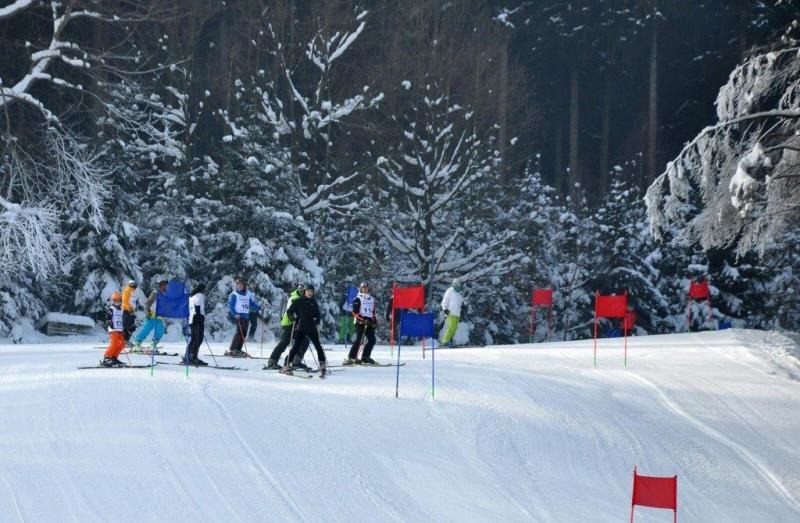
(522,433)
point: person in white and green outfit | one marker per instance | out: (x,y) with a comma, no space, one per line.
(452,302)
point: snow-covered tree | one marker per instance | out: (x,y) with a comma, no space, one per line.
(435,203)
(743,169)
(53,173)
(298,106)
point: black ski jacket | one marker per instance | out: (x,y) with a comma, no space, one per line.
(306,311)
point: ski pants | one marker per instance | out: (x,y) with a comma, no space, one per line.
(363,329)
(345,328)
(452,327)
(238,337)
(298,357)
(298,344)
(198,332)
(116,342)
(128,324)
(253,325)
(150,324)
(286,338)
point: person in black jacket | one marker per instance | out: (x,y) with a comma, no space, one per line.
(366,319)
(305,310)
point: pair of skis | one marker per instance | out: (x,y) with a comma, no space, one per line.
(98,366)
(367,365)
(147,366)
(308,373)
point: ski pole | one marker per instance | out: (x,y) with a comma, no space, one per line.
(211,352)
(314,356)
(188,344)
(286,360)
(263,326)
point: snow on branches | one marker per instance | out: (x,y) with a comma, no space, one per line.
(737,183)
(305,114)
(437,214)
(41,187)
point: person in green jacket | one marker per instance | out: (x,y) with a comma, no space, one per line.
(287,330)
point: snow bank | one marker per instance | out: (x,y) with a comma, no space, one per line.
(69,319)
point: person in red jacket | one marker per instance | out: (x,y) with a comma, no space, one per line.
(115,333)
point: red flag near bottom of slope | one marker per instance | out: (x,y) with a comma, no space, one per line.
(656,492)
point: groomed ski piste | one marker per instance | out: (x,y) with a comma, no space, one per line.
(514,433)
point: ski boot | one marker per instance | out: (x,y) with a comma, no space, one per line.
(107,362)
(197,361)
(117,363)
(350,361)
(368,361)
(272,365)
(301,366)
(287,369)
(323,369)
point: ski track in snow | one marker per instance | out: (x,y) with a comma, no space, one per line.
(14,499)
(516,433)
(284,493)
(758,466)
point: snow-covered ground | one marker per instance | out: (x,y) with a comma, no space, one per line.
(522,433)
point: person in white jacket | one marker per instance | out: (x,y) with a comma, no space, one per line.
(452,302)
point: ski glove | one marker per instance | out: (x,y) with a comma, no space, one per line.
(446,312)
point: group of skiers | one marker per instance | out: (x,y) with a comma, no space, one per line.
(299,324)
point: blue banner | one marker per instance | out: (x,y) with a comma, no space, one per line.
(175,302)
(352,292)
(417,325)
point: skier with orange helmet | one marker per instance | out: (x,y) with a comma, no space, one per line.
(115,332)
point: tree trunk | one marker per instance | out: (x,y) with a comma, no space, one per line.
(558,153)
(652,116)
(604,133)
(574,158)
(502,133)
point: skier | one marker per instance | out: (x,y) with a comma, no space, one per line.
(305,310)
(240,303)
(116,340)
(452,302)
(365,319)
(128,310)
(287,330)
(151,322)
(197,318)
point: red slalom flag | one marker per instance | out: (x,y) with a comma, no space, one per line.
(409,297)
(656,492)
(543,297)
(699,290)
(611,306)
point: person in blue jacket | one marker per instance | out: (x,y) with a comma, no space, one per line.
(240,304)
